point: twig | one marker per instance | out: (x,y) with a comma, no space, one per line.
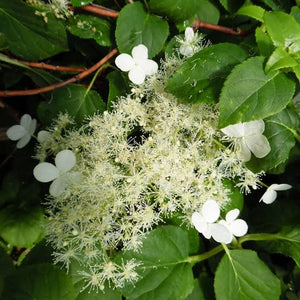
(99,10)
(200,24)
(63,83)
(41,65)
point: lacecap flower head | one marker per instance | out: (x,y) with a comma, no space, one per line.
(248,137)
(138,65)
(23,132)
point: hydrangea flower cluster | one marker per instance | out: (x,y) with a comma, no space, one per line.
(149,158)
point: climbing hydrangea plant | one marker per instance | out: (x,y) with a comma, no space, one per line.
(169,156)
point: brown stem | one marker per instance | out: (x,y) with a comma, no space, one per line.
(63,83)
(200,24)
(41,65)
(102,11)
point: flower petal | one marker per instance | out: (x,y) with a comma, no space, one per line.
(65,160)
(221,233)
(243,151)
(124,62)
(186,50)
(269,196)
(32,127)
(207,232)
(26,121)
(232,215)
(236,130)
(149,66)
(189,34)
(137,75)
(280,187)
(23,141)
(238,227)
(199,222)
(43,135)
(15,132)
(45,172)
(258,144)
(254,127)
(58,186)
(210,211)
(140,52)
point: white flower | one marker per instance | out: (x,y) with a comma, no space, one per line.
(248,138)
(44,172)
(138,65)
(204,222)
(22,132)
(271,193)
(43,135)
(237,227)
(187,47)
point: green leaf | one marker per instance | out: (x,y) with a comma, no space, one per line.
(197,293)
(280,59)
(296,70)
(288,243)
(295,12)
(6,268)
(40,282)
(177,10)
(241,275)
(135,26)
(91,27)
(106,294)
(11,61)
(28,36)
(250,94)
(203,288)
(270,3)
(236,198)
(73,100)
(6,264)
(201,76)
(279,131)
(9,188)
(208,12)
(21,227)
(232,5)
(264,42)
(77,3)
(195,244)
(3,41)
(164,273)
(41,77)
(118,86)
(252,11)
(287,36)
